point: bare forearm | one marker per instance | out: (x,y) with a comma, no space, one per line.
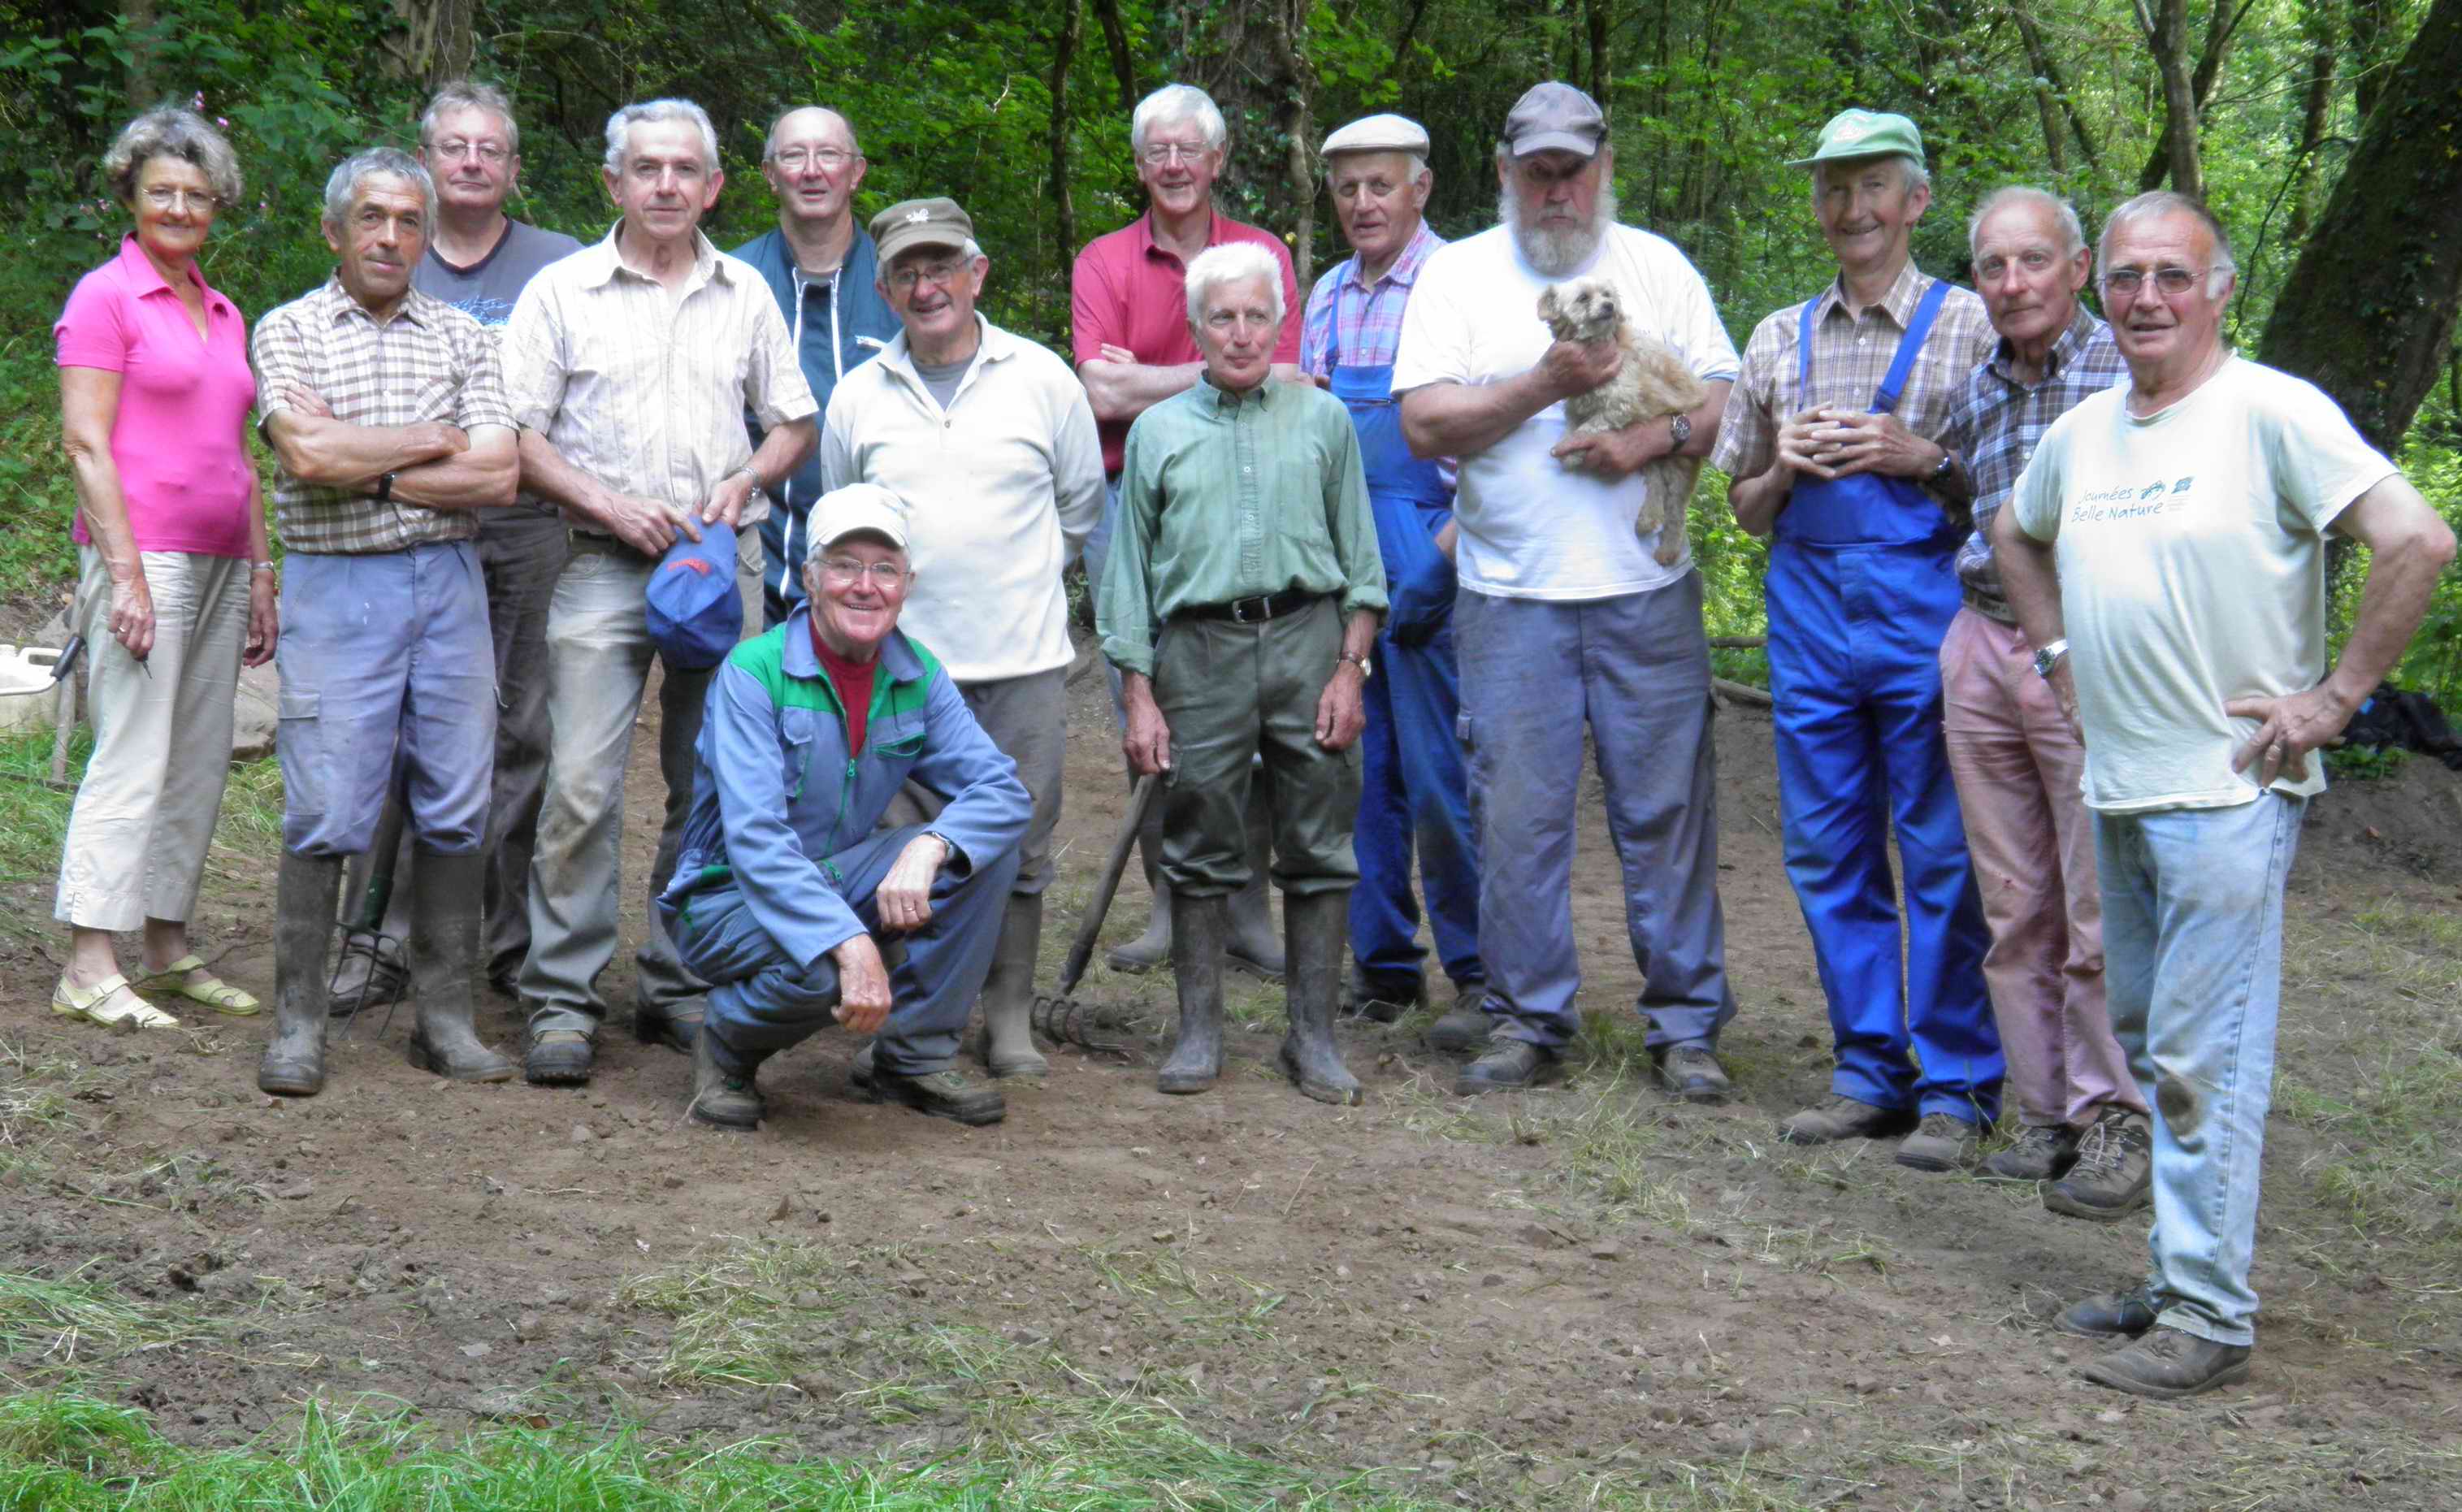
(1455,420)
(1758,500)
(104,508)
(1359,634)
(2029,579)
(260,545)
(546,473)
(483,478)
(337,454)
(783,450)
(1705,419)
(1123,391)
(2391,607)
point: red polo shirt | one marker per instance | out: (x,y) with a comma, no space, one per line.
(1128,292)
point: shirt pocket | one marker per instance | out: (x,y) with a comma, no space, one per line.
(436,400)
(798,734)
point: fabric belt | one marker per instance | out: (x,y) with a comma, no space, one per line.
(578,540)
(1252,611)
(1988,606)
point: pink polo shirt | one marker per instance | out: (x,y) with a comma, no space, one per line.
(184,403)
(1128,292)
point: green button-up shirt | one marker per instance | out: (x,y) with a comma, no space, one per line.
(1227,496)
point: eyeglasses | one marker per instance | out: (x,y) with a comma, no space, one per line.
(848,569)
(163,199)
(829,160)
(906,279)
(1160,153)
(490,153)
(2171,281)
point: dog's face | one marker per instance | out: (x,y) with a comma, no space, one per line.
(1582,310)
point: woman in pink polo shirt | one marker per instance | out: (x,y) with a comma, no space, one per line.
(175,589)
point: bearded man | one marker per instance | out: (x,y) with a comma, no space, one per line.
(1565,615)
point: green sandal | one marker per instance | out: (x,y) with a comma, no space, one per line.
(110,1002)
(187,978)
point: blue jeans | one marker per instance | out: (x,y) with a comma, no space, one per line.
(1414,797)
(1636,669)
(2192,960)
(761,1002)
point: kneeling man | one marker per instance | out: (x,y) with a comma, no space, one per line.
(783,884)
(1242,591)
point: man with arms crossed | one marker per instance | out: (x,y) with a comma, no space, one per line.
(2165,552)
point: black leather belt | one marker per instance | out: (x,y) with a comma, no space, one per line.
(1252,611)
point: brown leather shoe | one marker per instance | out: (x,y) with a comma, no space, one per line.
(1837,1118)
(2042,1152)
(1940,1142)
(2170,1363)
(2114,1173)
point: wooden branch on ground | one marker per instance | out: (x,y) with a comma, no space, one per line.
(1739,693)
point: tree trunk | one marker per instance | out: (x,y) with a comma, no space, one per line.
(2316,110)
(136,18)
(2372,22)
(436,43)
(1116,40)
(2368,310)
(1599,22)
(2048,73)
(2167,35)
(1289,25)
(1064,54)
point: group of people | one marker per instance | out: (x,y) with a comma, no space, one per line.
(2045,604)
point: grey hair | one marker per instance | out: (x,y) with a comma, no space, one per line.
(2171,201)
(619,129)
(1911,172)
(1232,262)
(467,93)
(1179,102)
(171,131)
(1418,165)
(769,144)
(2072,234)
(342,187)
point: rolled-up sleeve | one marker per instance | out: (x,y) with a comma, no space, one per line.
(1748,429)
(482,400)
(1350,519)
(783,887)
(988,805)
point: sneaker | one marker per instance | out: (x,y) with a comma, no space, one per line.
(1508,1065)
(2042,1152)
(722,1098)
(557,1058)
(2110,1315)
(1693,1072)
(1837,1118)
(942,1095)
(1940,1142)
(1464,1026)
(2170,1363)
(2114,1173)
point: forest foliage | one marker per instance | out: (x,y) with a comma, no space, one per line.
(1019,109)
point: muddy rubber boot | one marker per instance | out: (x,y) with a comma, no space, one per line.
(1195,1059)
(1318,927)
(303,908)
(1152,948)
(1255,949)
(444,900)
(1008,1043)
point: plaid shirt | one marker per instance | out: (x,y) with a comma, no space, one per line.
(428,362)
(1850,355)
(1369,327)
(1997,422)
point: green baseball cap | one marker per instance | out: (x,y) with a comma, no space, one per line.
(1865,134)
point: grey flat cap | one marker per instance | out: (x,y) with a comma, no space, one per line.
(1387,133)
(1554,117)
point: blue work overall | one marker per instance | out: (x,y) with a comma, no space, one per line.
(1413,779)
(1861,590)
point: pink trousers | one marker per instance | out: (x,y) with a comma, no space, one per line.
(2018,765)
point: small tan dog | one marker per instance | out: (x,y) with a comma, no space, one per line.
(1654,381)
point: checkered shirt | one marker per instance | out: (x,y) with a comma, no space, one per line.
(1999,420)
(1367,320)
(428,362)
(1850,355)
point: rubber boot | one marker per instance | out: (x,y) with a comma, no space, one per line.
(1317,927)
(445,893)
(304,908)
(1255,949)
(1008,1043)
(1195,1059)
(1152,948)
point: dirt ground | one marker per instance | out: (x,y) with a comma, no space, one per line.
(1588,1294)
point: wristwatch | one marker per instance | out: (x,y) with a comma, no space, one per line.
(385,487)
(2050,658)
(1947,461)
(1679,429)
(1361,663)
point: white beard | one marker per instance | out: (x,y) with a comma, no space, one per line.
(1561,252)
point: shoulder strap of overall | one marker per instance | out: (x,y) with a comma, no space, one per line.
(1910,347)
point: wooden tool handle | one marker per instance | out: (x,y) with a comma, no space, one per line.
(1081,951)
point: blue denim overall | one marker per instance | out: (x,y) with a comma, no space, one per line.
(1413,779)
(1861,590)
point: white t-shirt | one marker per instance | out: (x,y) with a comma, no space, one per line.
(1532,527)
(2191,558)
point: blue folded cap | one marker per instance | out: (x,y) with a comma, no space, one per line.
(695,614)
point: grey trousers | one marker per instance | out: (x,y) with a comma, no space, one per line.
(1028,718)
(1636,669)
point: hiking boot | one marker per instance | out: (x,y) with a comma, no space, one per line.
(942,1095)
(558,1058)
(371,973)
(1838,1117)
(1196,1058)
(2042,1152)
(1315,926)
(1693,1072)
(2114,1173)
(1465,1026)
(1508,1065)
(721,1097)
(1382,997)
(2110,1315)
(1007,1045)
(2170,1363)
(1940,1142)
(304,906)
